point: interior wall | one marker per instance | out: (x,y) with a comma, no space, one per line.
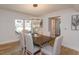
(71,38)
(7,24)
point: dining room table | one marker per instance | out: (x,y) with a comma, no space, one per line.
(40,40)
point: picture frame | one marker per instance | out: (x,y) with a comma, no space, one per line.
(75,22)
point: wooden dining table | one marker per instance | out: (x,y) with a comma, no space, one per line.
(41,39)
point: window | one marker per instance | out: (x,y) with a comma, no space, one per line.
(28,25)
(18,25)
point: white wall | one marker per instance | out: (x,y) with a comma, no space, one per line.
(71,38)
(7,24)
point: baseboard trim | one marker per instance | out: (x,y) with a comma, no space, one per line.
(72,47)
(10,41)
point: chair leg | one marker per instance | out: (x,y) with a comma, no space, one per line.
(40,52)
(24,52)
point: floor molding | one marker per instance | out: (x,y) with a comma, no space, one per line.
(9,41)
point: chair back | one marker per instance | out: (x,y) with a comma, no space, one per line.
(29,42)
(57,45)
(21,40)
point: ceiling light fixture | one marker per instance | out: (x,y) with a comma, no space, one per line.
(35,5)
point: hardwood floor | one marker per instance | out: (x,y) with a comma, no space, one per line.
(9,49)
(12,49)
(68,51)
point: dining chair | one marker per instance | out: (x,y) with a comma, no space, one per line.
(55,50)
(30,47)
(22,42)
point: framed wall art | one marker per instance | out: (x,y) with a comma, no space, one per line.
(75,22)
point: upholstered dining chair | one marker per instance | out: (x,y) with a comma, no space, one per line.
(30,47)
(55,50)
(22,43)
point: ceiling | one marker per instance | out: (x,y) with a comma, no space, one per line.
(42,9)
